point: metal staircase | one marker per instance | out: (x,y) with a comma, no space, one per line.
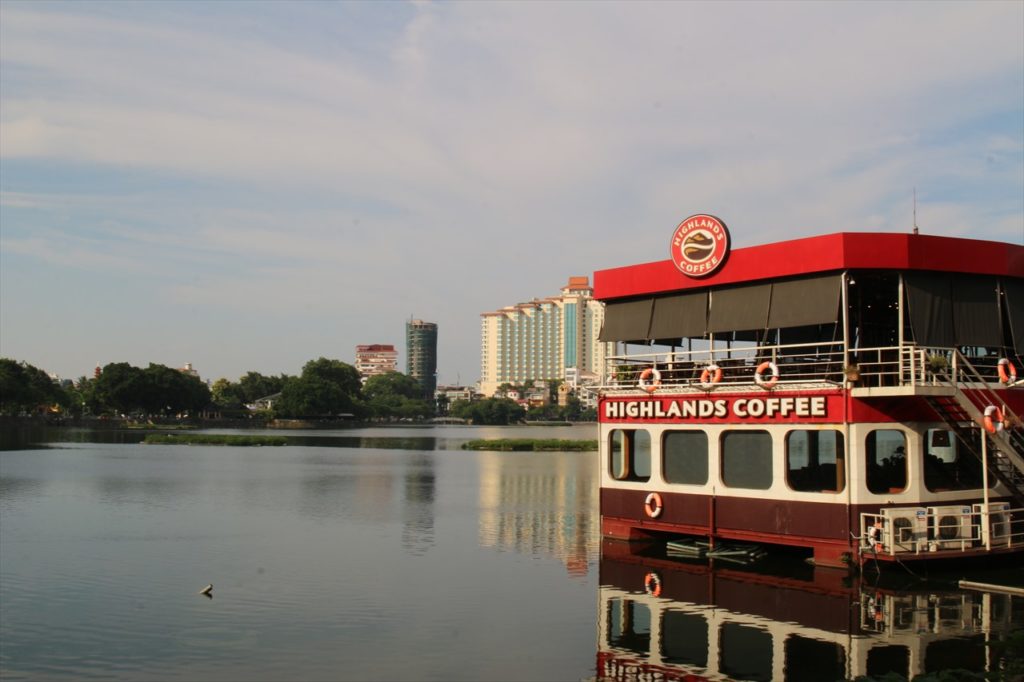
(964,415)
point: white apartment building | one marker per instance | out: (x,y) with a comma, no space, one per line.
(374,359)
(540,339)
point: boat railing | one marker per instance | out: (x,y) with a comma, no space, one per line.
(906,366)
(941,529)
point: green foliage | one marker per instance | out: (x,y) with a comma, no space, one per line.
(158,389)
(27,389)
(491,411)
(531,445)
(395,396)
(326,388)
(212,439)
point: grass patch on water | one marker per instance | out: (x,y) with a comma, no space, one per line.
(212,439)
(531,445)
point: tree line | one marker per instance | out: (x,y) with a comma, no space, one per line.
(325,389)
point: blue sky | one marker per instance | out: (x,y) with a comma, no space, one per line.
(252,185)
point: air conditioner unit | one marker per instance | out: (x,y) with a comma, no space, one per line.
(999,526)
(952,527)
(953,615)
(908,616)
(905,529)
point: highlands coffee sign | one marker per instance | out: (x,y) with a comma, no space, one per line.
(804,408)
(699,245)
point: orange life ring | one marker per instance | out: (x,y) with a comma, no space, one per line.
(646,384)
(652,584)
(1007,372)
(711,375)
(993,419)
(652,505)
(759,374)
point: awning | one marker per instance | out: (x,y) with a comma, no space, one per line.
(954,310)
(930,306)
(1014,291)
(627,320)
(976,311)
(680,316)
(807,301)
(739,308)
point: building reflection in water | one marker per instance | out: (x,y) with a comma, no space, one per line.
(418,504)
(542,504)
(673,620)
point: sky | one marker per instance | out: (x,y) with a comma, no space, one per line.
(248,186)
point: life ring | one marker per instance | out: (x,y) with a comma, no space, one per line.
(993,419)
(711,375)
(759,374)
(652,505)
(1007,372)
(645,381)
(652,584)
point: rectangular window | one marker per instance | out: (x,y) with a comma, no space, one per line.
(684,457)
(949,464)
(747,459)
(630,451)
(815,461)
(886,461)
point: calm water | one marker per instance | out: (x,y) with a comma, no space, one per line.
(390,554)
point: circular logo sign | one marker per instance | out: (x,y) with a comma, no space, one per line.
(699,245)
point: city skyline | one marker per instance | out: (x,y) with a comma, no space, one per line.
(250,186)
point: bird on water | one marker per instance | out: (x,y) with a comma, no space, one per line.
(207,591)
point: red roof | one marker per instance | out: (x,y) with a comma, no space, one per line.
(826,253)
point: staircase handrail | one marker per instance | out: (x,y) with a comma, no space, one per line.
(1011,440)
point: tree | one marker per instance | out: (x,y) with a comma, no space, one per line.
(395,395)
(326,388)
(490,411)
(119,388)
(24,388)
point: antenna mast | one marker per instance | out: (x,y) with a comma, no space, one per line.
(915,210)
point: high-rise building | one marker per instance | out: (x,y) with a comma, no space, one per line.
(539,340)
(374,359)
(421,354)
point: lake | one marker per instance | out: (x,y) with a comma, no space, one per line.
(391,554)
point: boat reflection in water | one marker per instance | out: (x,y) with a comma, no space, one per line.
(662,618)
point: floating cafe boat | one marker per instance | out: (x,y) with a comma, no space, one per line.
(858,395)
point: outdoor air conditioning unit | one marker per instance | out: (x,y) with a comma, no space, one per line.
(953,615)
(905,529)
(999,526)
(908,616)
(952,527)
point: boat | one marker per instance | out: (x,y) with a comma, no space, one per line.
(660,619)
(856,395)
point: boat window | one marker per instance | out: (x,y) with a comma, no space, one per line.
(886,461)
(684,638)
(684,457)
(747,459)
(813,659)
(629,626)
(816,461)
(745,652)
(950,464)
(630,451)
(883,660)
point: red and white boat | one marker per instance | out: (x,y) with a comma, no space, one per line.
(855,394)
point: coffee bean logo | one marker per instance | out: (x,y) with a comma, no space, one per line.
(698,246)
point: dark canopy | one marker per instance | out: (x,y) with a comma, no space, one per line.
(680,316)
(803,302)
(627,320)
(953,310)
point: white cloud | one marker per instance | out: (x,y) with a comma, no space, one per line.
(481,151)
